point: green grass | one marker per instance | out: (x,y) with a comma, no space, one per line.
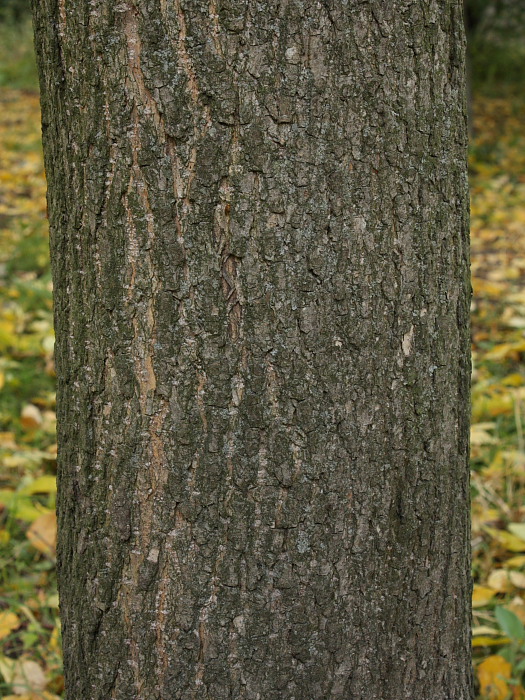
(17,57)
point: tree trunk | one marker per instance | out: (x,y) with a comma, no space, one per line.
(259,234)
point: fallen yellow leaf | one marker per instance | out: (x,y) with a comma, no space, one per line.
(499,352)
(483,288)
(516,562)
(492,406)
(8,440)
(7,334)
(52,601)
(8,622)
(514,379)
(44,484)
(518,529)
(31,417)
(43,534)
(28,676)
(517,579)
(481,595)
(493,674)
(54,640)
(479,434)
(506,539)
(7,667)
(499,581)
(481,516)
(484,630)
(486,641)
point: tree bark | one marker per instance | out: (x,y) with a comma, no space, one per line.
(259,237)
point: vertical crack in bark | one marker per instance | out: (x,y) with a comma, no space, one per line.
(230,263)
(198,133)
(181,181)
(201,406)
(231,291)
(166,586)
(62,19)
(153,474)
(215,27)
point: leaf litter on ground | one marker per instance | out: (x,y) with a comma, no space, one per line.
(497,177)
(30,658)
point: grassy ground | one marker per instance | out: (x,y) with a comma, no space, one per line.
(497,164)
(17,60)
(30,665)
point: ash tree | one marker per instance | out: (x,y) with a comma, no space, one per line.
(259,239)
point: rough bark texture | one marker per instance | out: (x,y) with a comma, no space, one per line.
(259,240)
